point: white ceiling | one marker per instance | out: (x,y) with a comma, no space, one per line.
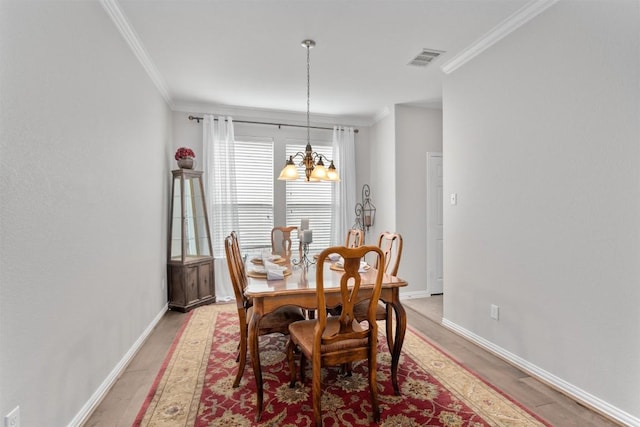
(242,53)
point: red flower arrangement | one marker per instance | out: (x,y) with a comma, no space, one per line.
(184,152)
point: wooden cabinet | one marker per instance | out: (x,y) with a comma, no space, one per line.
(191,284)
(190,257)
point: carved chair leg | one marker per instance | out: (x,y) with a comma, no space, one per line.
(346,369)
(389,325)
(317,395)
(373,385)
(302,366)
(292,363)
(242,355)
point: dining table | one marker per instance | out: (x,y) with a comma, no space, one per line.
(298,288)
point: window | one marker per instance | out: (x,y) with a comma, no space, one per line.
(310,200)
(264,202)
(254,181)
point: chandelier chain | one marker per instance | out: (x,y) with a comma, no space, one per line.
(308,93)
(314,168)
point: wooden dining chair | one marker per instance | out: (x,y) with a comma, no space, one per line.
(238,254)
(337,340)
(281,241)
(277,321)
(391,246)
(355,238)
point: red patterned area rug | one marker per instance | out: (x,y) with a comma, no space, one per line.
(194,385)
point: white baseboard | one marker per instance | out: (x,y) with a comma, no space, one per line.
(106,385)
(578,394)
(415,294)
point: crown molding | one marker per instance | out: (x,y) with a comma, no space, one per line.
(506,27)
(381,115)
(113,9)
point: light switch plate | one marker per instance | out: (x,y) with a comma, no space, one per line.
(495,312)
(454,198)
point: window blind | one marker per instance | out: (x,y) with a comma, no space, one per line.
(254,185)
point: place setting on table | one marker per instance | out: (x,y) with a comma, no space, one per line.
(269,258)
(338,264)
(269,266)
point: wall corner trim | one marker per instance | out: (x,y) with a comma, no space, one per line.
(113,9)
(554,381)
(506,27)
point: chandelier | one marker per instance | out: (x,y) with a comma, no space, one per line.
(314,168)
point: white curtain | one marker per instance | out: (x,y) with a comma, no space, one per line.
(344,192)
(220,186)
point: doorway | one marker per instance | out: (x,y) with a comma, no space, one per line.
(435,277)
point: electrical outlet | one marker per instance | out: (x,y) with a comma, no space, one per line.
(12,419)
(495,312)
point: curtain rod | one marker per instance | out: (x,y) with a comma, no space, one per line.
(268,123)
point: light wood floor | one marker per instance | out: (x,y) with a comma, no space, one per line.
(120,406)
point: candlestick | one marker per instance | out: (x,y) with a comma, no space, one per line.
(304,260)
(307,236)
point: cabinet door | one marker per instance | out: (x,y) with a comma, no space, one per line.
(176,286)
(191,284)
(205,280)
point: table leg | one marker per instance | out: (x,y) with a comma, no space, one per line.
(401,326)
(255,360)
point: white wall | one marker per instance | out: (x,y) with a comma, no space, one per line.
(363,161)
(383,175)
(418,131)
(542,145)
(84,172)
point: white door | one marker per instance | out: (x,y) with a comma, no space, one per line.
(434,224)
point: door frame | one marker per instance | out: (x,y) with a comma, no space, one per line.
(431,198)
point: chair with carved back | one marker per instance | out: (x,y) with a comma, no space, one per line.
(355,238)
(277,321)
(339,340)
(238,254)
(391,246)
(281,241)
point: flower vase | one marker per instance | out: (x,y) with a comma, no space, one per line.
(185,162)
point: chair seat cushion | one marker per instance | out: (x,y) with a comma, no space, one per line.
(279,320)
(360,311)
(302,334)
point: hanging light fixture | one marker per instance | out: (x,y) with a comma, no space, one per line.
(314,168)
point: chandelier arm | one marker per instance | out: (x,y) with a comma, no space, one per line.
(317,155)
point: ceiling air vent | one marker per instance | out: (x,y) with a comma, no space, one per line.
(425,57)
